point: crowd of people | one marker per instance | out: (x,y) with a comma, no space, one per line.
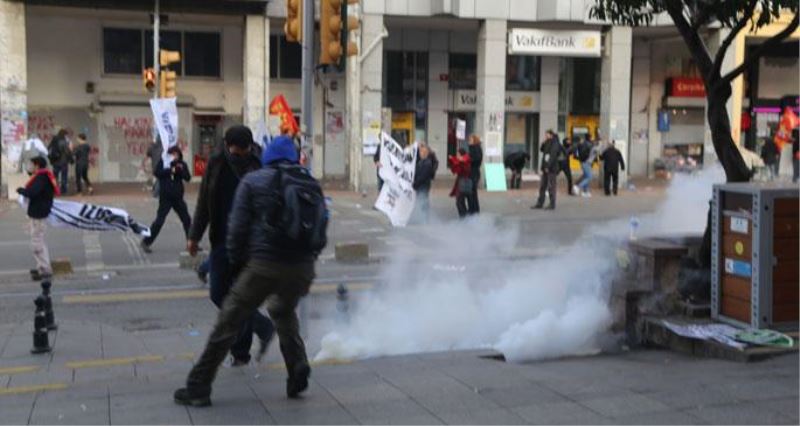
(61,154)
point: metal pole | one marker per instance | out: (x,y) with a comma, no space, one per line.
(156,64)
(308,77)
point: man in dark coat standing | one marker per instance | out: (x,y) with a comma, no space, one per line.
(476,158)
(552,154)
(612,162)
(214,202)
(564,165)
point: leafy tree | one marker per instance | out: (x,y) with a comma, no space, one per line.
(691,17)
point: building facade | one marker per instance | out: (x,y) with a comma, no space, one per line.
(510,69)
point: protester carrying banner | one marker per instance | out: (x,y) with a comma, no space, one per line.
(170,197)
(398,168)
(40,191)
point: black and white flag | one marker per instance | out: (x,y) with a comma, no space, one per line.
(89,217)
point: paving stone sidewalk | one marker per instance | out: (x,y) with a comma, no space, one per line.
(122,378)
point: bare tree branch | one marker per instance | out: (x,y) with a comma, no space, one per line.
(702,16)
(762,49)
(693,41)
(734,32)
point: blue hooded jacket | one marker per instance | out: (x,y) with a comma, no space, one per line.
(281,148)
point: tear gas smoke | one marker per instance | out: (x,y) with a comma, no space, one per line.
(469,297)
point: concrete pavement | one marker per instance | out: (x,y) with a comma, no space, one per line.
(105,375)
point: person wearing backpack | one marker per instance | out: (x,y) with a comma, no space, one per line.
(277,229)
(60,157)
(225,169)
(82,153)
(586,155)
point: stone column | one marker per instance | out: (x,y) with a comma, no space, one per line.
(490,108)
(548,95)
(365,98)
(256,70)
(13,92)
(438,64)
(615,90)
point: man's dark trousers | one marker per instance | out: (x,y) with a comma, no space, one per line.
(548,184)
(62,174)
(281,285)
(473,205)
(165,204)
(564,167)
(220,282)
(608,175)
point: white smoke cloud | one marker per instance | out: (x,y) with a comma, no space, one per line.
(468,297)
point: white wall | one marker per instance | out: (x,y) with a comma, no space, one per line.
(778,77)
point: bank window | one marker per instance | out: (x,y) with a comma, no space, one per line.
(405,87)
(463,73)
(128,51)
(202,54)
(523,72)
(167,40)
(285,58)
(122,51)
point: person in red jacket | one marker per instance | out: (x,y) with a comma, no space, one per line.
(460,165)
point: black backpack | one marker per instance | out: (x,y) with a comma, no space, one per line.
(54,151)
(302,219)
(584,151)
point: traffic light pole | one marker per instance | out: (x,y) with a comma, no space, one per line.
(308,77)
(156,64)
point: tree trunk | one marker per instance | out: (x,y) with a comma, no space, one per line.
(736,169)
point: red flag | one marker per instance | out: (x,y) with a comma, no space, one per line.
(280,107)
(789,121)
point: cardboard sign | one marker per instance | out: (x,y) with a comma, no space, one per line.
(398,165)
(495,177)
(461,130)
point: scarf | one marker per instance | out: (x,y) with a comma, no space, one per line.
(240,164)
(50,176)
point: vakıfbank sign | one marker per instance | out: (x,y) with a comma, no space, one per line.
(527,41)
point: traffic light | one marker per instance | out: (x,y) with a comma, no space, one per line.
(149,79)
(352,24)
(294,21)
(168,77)
(330,29)
(334,26)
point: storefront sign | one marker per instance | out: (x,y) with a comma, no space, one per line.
(686,87)
(527,41)
(467,100)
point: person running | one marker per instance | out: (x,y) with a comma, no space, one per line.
(276,231)
(225,170)
(170,195)
(40,191)
(82,153)
(612,162)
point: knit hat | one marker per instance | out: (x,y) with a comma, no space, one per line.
(281,148)
(239,135)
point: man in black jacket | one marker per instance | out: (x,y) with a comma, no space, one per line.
(564,165)
(516,162)
(60,156)
(612,161)
(476,158)
(40,190)
(273,271)
(552,155)
(170,195)
(82,152)
(423,177)
(214,202)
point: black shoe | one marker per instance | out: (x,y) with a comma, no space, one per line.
(146,247)
(239,362)
(36,275)
(298,382)
(183,396)
(551,207)
(538,206)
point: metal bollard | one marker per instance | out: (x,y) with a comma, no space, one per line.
(342,302)
(41,341)
(48,306)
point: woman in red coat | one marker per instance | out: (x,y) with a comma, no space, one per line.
(463,187)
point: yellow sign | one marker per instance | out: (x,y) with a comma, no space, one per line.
(739,248)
